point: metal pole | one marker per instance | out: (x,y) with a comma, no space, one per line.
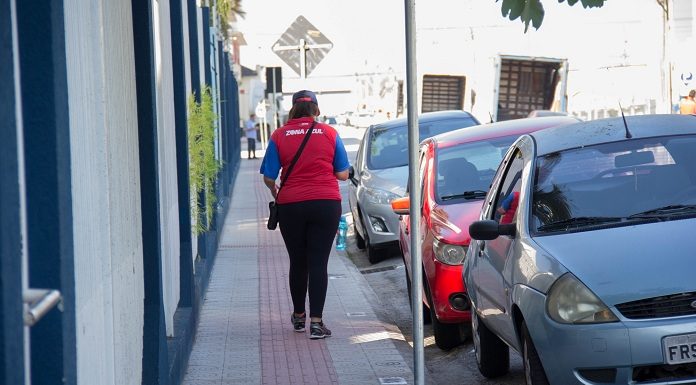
(263,127)
(275,121)
(415,194)
(303,59)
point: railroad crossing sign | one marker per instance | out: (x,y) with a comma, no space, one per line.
(302,46)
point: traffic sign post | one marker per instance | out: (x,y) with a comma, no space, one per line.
(261,113)
(415,193)
(273,106)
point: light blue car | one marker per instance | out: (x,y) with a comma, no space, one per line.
(380,175)
(585,255)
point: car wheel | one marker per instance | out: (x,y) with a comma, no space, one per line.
(447,336)
(359,240)
(533,370)
(492,354)
(426,312)
(372,254)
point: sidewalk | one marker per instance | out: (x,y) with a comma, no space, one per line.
(245,335)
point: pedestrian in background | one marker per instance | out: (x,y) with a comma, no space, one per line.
(250,132)
(309,203)
(688,104)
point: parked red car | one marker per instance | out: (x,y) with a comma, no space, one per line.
(456,171)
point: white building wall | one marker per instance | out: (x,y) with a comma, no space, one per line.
(124,181)
(106,191)
(251,91)
(246,98)
(166,152)
(615,59)
(463,38)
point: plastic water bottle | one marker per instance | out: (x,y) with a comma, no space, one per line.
(341,235)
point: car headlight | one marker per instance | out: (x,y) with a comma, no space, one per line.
(449,254)
(570,302)
(377,196)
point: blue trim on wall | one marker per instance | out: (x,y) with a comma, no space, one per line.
(204,239)
(235,144)
(155,356)
(207,66)
(41,32)
(193,49)
(182,154)
(11,323)
(179,347)
(220,185)
(224,119)
(206,46)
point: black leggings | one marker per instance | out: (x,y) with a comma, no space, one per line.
(308,229)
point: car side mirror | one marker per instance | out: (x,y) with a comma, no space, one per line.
(401,205)
(487,230)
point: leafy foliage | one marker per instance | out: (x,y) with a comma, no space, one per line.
(226,9)
(203,167)
(533,11)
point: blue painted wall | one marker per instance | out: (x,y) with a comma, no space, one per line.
(11,325)
(182,166)
(179,347)
(193,48)
(46,127)
(155,362)
(49,204)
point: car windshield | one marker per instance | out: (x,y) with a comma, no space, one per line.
(388,147)
(614,184)
(465,171)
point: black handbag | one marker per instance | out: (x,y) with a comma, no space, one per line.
(273,206)
(272,216)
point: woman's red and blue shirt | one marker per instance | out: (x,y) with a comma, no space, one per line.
(313,175)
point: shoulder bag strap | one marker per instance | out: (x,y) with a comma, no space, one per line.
(297,156)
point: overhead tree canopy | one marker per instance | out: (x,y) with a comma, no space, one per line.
(532,10)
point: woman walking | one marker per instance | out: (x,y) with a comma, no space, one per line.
(309,203)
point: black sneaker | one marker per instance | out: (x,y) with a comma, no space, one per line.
(298,322)
(317,330)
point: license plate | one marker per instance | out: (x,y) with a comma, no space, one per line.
(679,349)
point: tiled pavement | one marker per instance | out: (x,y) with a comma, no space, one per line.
(245,335)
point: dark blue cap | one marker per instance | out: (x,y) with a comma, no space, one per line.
(304,96)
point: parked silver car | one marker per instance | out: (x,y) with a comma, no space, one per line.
(380,174)
(584,255)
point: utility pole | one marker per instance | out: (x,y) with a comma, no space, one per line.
(273,106)
(415,194)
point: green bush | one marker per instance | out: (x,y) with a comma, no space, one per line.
(203,167)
